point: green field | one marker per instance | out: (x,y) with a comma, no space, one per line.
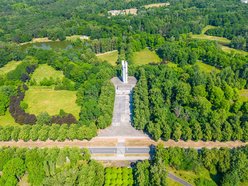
(230,50)
(190,176)
(9,67)
(110,57)
(243,95)
(220,40)
(46,71)
(207,68)
(145,56)
(171,182)
(41,99)
(7,120)
(206,28)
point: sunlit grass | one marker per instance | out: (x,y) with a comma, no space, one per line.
(111,57)
(145,56)
(46,71)
(7,120)
(51,101)
(243,95)
(9,67)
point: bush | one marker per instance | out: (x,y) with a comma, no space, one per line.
(43,119)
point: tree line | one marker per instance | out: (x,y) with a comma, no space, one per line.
(228,166)
(189,104)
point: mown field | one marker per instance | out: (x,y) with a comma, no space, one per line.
(7,120)
(40,99)
(110,57)
(243,95)
(145,56)
(224,42)
(207,68)
(9,67)
(46,71)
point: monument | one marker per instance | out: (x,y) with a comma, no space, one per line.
(124,71)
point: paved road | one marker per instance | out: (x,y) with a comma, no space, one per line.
(103,150)
(179,180)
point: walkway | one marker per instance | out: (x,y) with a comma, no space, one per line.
(121,123)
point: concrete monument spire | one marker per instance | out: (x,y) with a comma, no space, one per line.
(124,71)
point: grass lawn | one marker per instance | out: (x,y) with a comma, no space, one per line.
(207,68)
(206,28)
(46,71)
(171,182)
(243,95)
(220,40)
(7,120)
(230,50)
(51,101)
(9,67)
(156,5)
(110,57)
(145,56)
(244,184)
(190,176)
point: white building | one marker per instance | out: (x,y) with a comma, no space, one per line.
(244,1)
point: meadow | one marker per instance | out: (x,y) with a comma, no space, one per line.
(111,57)
(145,56)
(40,99)
(46,71)
(9,67)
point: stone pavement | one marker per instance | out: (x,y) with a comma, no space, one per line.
(122,114)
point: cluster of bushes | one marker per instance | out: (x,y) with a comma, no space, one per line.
(45,132)
(23,70)
(118,176)
(190,104)
(54,166)
(17,111)
(5,93)
(64,84)
(9,52)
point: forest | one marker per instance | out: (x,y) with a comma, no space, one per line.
(72,166)
(199,105)
(173,99)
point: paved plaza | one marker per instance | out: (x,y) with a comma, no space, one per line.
(121,122)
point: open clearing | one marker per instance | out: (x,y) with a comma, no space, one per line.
(230,50)
(190,176)
(243,94)
(171,182)
(156,5)
(7,120)
(46,39)
(145,56)
(9,67)
(51,101)
(46,71)
(207,68)
(110,57)
(221,40)
(206,28)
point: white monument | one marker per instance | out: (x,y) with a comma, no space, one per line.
(124,71)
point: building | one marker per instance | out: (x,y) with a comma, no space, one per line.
(244,1)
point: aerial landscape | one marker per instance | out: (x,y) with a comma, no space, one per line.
(124,93)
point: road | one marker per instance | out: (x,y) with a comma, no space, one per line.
(179,180)
(108,150)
